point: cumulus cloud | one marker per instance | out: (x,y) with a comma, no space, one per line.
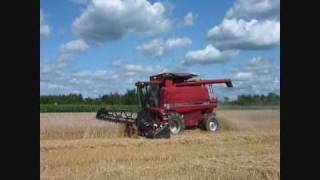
(258,75)
(56,77)
(52,73)
(245,35)
(157,48)
(104,20)
(208,55)
(138,68)
(96,75)
(259,66)
(250,78)
(137,71)
(178,42)
(74,46)
(188,19)
(261,9)
(44,27)
(88,83)
(243,76)
(57,66)
(153,48)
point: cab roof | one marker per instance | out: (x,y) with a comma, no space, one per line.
(180,76)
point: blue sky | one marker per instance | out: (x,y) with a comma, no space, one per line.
(94,47)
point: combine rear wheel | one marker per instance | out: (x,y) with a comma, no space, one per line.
(211,124)
(176,123)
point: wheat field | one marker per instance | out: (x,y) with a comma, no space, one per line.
(76,146)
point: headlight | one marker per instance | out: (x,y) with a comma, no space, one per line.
(166,106)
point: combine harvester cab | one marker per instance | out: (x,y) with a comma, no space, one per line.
(172,102)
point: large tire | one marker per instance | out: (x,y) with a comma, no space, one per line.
(211,124)
(176,123)
(143,118)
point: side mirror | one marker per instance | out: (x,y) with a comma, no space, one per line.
(229,83)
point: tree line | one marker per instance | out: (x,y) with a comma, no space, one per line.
(131,98)
(257,99)
(128,98)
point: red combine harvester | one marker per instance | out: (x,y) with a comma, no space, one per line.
(170,103)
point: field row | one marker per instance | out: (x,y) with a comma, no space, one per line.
(77,146)
(85,125)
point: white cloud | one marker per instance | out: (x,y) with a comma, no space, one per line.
(57,66)
(56,77)
(257,76)
(248,25)
(188,19)
(153,48)
(74,46)
(249,9)
(157,48)
(259,66)
(137,71)
(79,1)
(130,73)
(208,55)
(138,68)
(44,27)
(246,35)
(52,73)
(96,75)
(117,62)
(104,20)
(243,76)
(178,42)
